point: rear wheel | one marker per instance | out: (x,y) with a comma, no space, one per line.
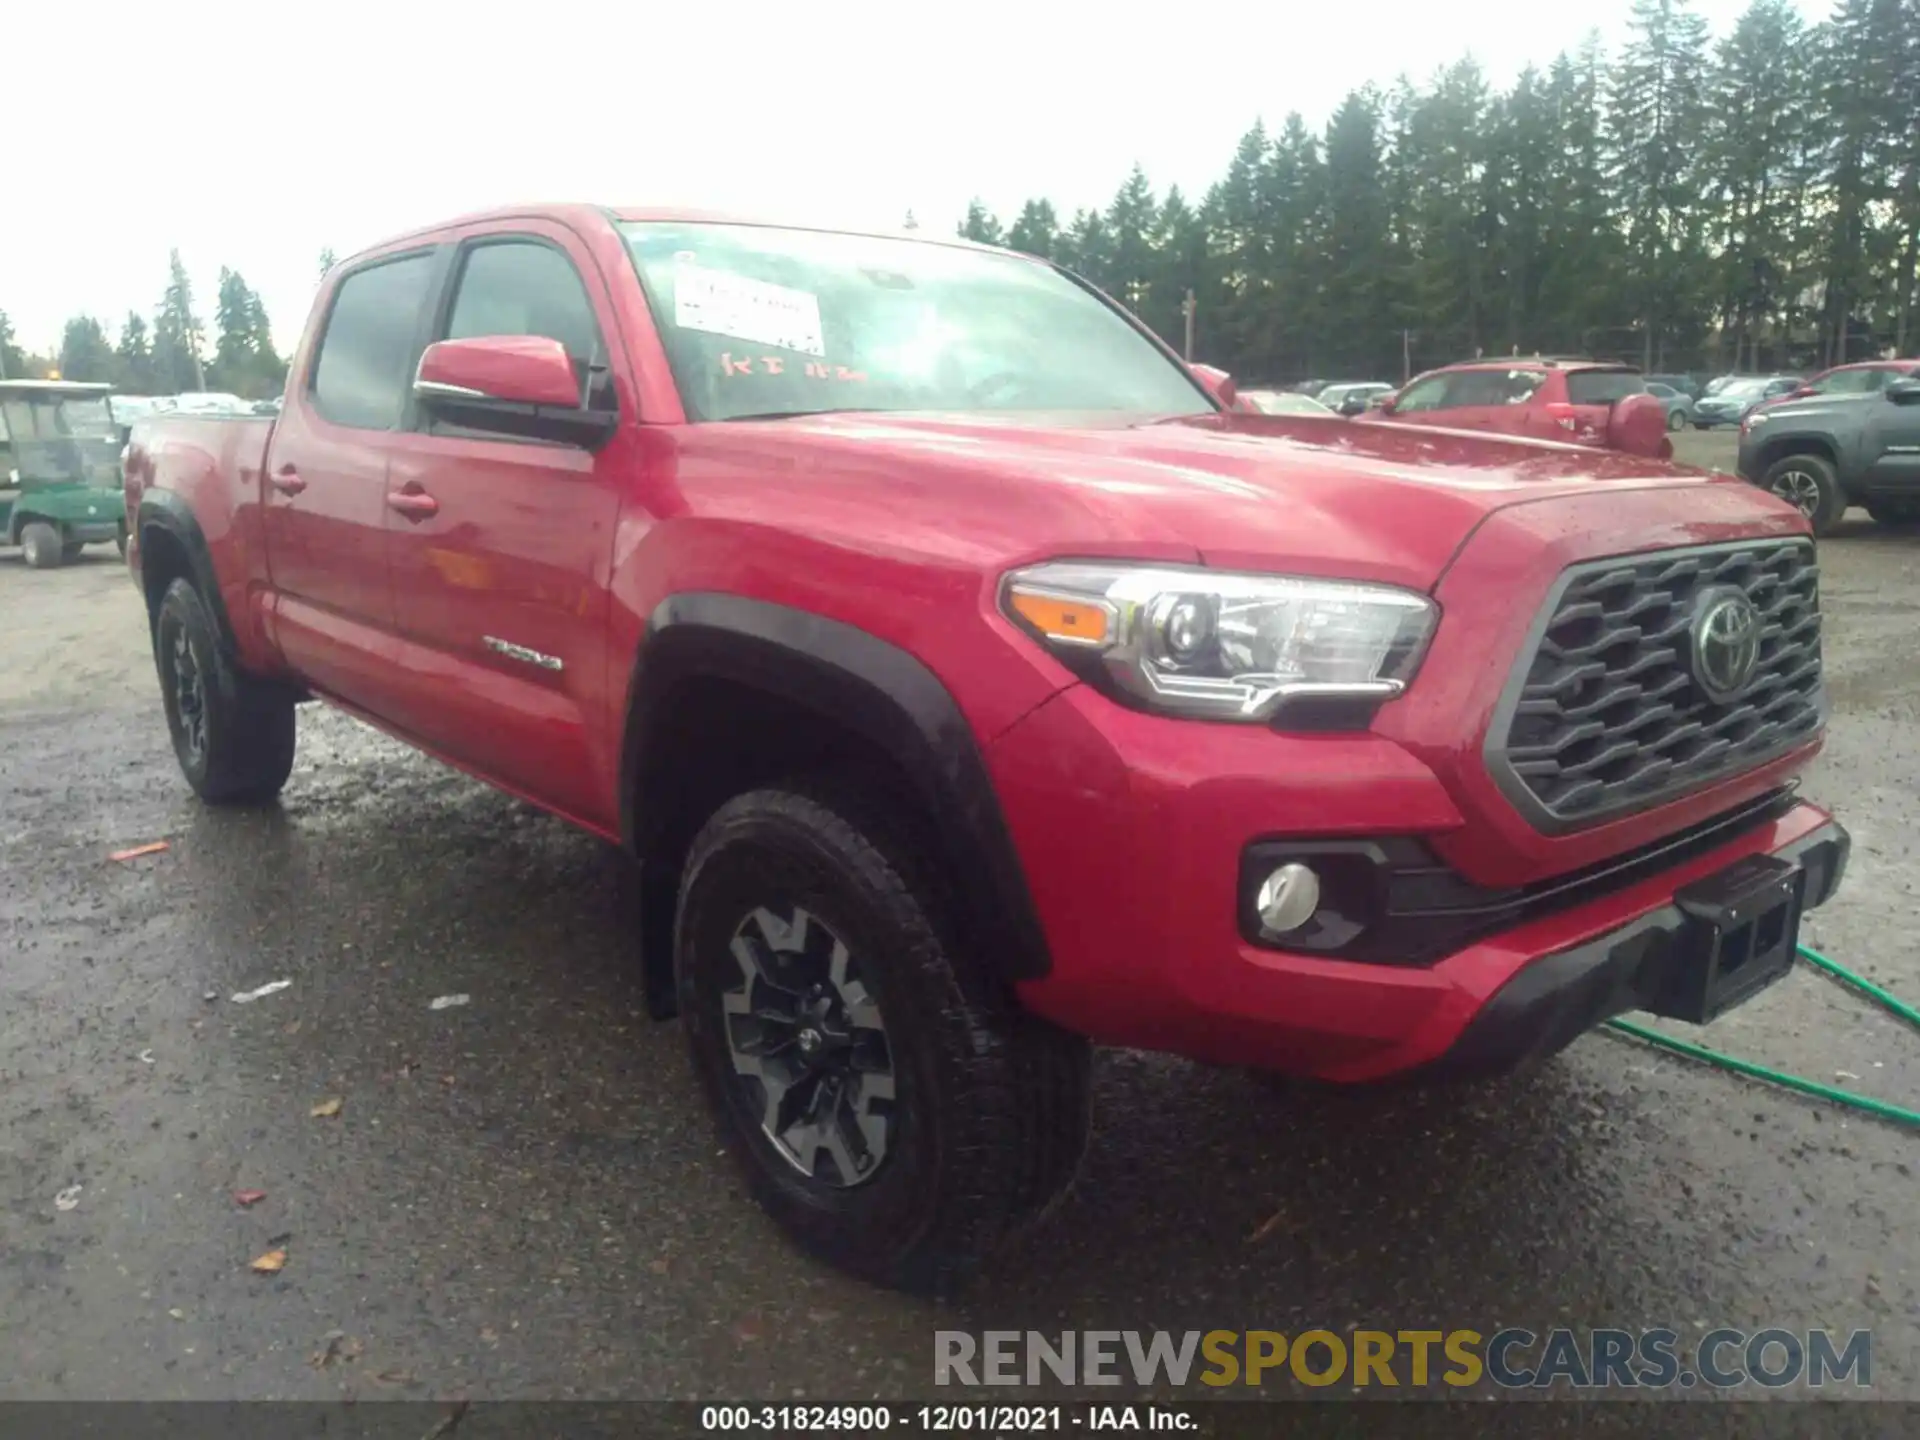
(1809,482)
(40,544)
(232,735)
(1677,420)
(890,1106)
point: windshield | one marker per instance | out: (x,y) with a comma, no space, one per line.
(1742,389)
(89,419)
(759,321)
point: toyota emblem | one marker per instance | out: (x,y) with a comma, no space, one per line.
(1726,644)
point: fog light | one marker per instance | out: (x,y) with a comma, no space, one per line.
(1287,899)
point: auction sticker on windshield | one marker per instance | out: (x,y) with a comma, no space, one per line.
(722,303)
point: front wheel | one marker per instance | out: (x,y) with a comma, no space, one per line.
(1677,420)
(1809,483)
(889,1105)
(232,735)
(41,546)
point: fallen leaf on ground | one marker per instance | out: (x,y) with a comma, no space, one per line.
(292,1027)
(1272,1223)
(659,1267)
(272,987)
(449,1002)
(178,1314)
(244,1198)
(145,1057)
(271,1263)
(327,1108)
(67,1199)
(394,1375)
(337,1345)
(748,1329)
(137,851)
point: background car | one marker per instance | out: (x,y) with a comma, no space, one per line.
(1351,397)
(1683,384)
(1679,404)
(1867,377)
(1284,402)
(1575,401)
(1729,404)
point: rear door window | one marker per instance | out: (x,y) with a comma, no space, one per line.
(1602,387)
(367,353)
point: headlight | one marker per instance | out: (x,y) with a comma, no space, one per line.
(1223,646)
(1758,417)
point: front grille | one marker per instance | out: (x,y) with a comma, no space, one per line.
(1604,716)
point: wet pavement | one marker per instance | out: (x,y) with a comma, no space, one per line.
(521,1196)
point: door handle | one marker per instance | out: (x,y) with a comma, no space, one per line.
(414,504)
(287,482)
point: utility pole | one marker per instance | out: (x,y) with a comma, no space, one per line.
(1187,307)
(1406,356)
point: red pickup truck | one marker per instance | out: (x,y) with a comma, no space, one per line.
(972,681)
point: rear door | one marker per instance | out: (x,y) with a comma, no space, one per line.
(501,592)
(324,494)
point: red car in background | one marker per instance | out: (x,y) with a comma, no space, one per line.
(1578,402)
(1866,377)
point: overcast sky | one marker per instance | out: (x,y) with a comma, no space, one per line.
(252,135)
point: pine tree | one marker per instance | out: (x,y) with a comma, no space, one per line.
(980,225)
(1359,306)
(1754,143)
(1086,248)
(13,360)
(1036,230)
(177,334)
(85,354)
(1655,124)
(327,262)
(1132,223)
(133,357)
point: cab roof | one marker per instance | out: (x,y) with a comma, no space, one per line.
(579,213)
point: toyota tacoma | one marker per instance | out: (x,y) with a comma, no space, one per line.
(973,682)
(1830,449)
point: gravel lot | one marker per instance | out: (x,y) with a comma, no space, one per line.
(521,1197)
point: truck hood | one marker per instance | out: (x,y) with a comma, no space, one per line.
(1307,495)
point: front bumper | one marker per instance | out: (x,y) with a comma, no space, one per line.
(1133,829)
(1559,997)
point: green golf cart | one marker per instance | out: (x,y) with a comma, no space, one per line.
(60,481)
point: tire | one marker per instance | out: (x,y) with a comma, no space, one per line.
(41,545)
(1677,421)
(989,1108)
(233,735)
(70,551)
(1809,483)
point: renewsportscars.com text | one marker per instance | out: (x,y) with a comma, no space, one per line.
(1511,1358)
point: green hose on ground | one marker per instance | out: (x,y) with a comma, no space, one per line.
(1882,997)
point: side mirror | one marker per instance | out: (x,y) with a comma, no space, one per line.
(1904,392)
(1353,405)
(521,385)
(1220,385)
(1800,392)
(1385,404)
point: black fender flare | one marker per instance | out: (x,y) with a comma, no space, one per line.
(869,686)
(167,512)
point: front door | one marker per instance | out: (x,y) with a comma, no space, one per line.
(1892,443)
(500,550)
(324,507)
